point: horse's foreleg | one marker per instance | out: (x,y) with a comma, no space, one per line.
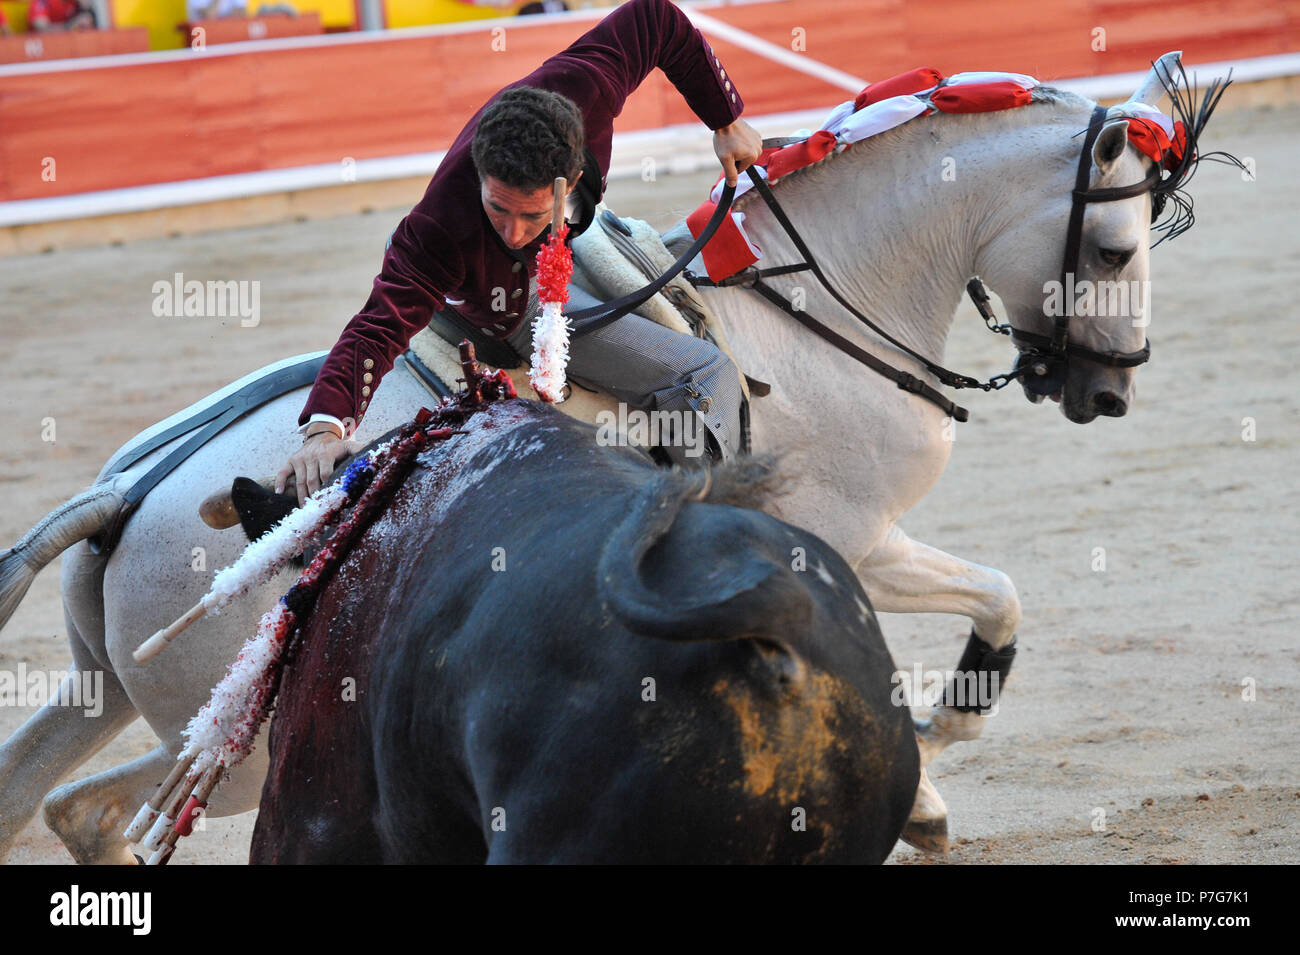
(89,815)
(906,576)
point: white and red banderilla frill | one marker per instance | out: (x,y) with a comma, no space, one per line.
(551,328)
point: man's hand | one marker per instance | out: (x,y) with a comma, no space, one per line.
(312,464)
(738,147)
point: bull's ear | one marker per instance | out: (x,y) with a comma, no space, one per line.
(707,572)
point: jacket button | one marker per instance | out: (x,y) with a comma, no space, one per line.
(512,314)
(517,267)
(367,378)
(363,405)
(365,390)
(516,293)
(705,404)
(368,363)
(722,74)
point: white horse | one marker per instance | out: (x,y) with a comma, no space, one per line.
(895,235)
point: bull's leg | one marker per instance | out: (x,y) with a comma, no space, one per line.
(906,576)
(52,743)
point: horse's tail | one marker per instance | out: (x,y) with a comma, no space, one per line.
(90,513)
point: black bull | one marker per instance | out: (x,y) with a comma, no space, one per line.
(549,651)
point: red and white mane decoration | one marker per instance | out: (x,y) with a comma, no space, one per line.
(889,103)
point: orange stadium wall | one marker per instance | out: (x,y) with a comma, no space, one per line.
(140,121)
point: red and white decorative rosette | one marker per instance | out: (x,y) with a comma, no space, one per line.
(551,328)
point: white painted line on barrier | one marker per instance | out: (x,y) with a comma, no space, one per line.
(779,54)
(677,149)
(1243,71)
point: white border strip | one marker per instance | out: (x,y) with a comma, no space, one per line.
(1243,71)
(674,149)
(188,192)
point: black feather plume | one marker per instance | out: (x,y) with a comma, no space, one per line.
(1194,112)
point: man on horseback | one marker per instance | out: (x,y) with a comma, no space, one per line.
(468,249)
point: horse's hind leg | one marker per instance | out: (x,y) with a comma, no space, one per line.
(906,576)
(53,742)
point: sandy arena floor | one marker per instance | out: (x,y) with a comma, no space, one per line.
(1128,693)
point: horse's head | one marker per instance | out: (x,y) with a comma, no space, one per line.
(1080,308)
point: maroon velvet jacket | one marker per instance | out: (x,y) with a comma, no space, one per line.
(446,247)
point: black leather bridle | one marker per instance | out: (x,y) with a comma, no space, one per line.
(1043,359)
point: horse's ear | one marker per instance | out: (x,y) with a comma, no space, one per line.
(1160,80)
(1110,145)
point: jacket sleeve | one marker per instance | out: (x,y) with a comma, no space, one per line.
(616,55)
(402,301)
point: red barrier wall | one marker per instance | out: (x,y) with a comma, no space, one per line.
(207,115)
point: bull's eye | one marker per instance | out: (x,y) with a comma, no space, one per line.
(1115,258)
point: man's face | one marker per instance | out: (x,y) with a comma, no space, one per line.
(518,216)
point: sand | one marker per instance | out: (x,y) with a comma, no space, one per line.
(1123,737)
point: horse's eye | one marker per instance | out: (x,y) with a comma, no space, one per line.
(1117,258)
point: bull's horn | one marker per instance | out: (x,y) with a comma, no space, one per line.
(1163,77)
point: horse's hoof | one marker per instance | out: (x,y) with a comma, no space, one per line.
(927,824)
(928,835)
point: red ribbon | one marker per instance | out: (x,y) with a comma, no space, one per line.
(913,81)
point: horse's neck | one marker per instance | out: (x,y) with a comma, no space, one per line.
(893,224)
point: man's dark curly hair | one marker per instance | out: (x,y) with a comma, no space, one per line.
(528,137)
